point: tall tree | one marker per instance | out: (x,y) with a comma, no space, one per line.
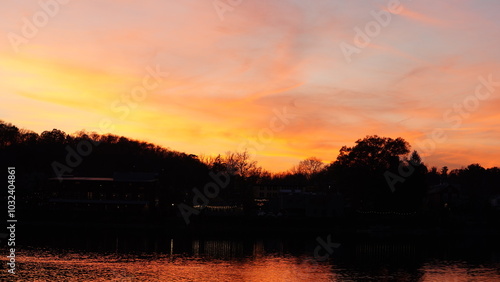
(359,170)
(309,167)
(373,153)
(240,163)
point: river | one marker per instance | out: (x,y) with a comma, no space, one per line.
(150,256)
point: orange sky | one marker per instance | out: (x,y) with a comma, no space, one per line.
(232,74)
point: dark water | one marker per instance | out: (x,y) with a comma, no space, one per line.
(149,256)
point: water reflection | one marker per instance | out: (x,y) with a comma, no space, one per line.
(220,249)
(156,257)
(43,265)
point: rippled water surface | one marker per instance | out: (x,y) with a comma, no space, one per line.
(260,259)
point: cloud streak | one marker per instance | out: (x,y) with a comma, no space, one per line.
(226,77)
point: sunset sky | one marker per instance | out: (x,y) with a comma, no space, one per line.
(272,76)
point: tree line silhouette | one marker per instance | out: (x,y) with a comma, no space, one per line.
(359,173)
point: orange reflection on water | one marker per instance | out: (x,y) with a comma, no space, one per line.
(458,272)
(227,260)
(76,267)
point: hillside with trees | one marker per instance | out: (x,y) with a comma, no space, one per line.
(376,175)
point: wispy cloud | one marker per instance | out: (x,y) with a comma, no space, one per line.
(226,77)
